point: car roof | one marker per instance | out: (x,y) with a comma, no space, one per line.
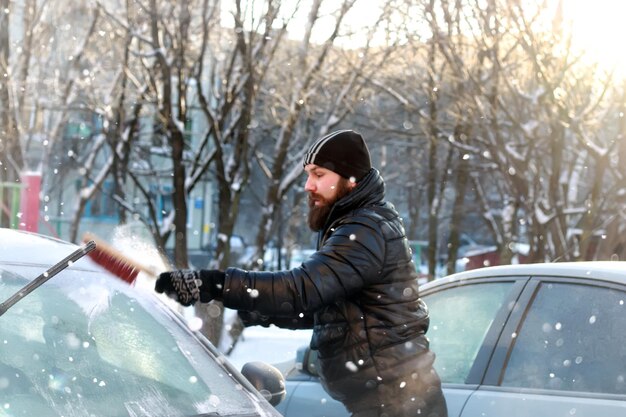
(21,247)
(614,271)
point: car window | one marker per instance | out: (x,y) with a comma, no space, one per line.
(460,318)
(573,338)
(84,342)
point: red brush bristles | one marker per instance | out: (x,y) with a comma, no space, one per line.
(116,266)
(114,261)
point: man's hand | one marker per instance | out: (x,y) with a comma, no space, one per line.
(190,286)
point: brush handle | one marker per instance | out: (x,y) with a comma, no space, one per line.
(52,271)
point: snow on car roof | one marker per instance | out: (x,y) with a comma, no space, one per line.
(614,271)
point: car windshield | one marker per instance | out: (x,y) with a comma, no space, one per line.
(84,344)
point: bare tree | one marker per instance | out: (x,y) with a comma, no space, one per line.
(11,157)
(44,76)
(538,100)
(326,85)
(509,104)
(229,113)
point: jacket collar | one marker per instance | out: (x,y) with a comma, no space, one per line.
(369,191)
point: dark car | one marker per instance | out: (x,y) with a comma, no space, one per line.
(537,340)
(85,343)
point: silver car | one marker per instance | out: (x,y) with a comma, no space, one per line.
(85,343)
(537,340)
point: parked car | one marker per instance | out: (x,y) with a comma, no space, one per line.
(86,343)
(538,340)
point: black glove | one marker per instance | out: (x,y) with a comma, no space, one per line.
(190,286)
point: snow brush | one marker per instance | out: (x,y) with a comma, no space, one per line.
(115,261)
(87,248)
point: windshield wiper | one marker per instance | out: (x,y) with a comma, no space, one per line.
(52,271)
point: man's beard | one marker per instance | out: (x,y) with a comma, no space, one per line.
(318,215)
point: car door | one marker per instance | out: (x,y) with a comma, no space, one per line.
(305,395)
(563,355)
(466,319)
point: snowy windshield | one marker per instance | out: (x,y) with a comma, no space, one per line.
(85,345)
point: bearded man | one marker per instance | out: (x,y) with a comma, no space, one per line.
(358,291)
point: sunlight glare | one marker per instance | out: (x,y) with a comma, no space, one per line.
(598,28)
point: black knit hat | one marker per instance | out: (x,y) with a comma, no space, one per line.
(343,152)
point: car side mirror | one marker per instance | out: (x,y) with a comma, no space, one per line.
(267,380)
(307,359)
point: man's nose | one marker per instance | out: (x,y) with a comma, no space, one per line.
(308,185)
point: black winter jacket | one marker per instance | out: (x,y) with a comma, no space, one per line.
(359,291)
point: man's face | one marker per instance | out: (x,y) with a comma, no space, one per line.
(324,188)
